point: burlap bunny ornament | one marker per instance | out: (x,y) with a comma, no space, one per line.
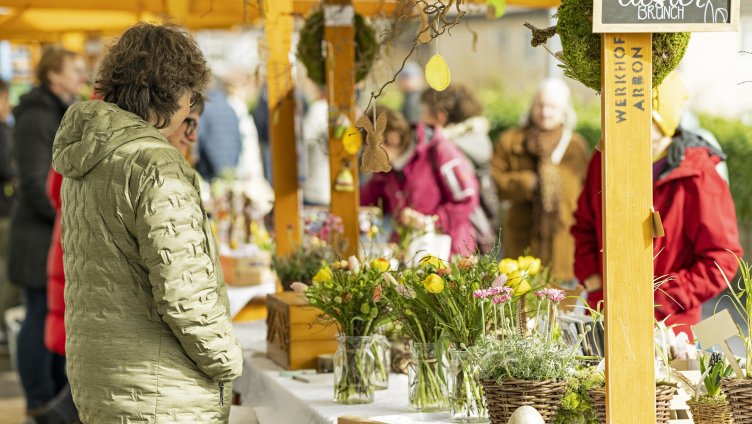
(375,158)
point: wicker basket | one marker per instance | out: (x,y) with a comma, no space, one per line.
(710,413)
(663,396)
(739,397)
(503,400)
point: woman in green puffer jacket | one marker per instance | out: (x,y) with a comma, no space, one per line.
(149,336)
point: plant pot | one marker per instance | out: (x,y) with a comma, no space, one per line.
(353,371)
(663,396)
(504,399)
(710,413)
(466,401)
(426,385)
(739,397)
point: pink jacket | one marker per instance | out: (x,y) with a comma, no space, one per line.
(437,180)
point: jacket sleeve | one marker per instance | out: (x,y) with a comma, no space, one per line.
(6,167)
(462,196)
(512,184)
(188,294)
(710,225)
(33,136)
(586,227)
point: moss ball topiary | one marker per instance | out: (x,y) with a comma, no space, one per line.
(582,48)
(311,54)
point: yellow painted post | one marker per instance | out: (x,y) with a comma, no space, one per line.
(627,231)
(279,29)
(339,35)
(178,10)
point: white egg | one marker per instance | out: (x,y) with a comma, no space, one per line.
(526,415)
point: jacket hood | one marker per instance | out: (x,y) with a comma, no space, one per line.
(38,97)
(91,131)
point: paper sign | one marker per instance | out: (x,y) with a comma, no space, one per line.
(716,330)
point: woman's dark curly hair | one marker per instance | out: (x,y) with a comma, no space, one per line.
(149,69)
(458,103)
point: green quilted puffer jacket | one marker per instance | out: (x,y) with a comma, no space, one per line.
(149,334)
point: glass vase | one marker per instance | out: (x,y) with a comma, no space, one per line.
(382,362)
(466,401)
(353,370)
(426,384)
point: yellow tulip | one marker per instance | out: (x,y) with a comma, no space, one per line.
(433,283)
(380,264)
(530,264)
(433,261)
(518,282)
(522,287)
(324,275)
(508,266)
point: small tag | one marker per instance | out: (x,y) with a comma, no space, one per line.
(658,231)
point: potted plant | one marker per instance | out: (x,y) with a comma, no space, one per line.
(518,368)
(576,406)
(711,407)
(352,296)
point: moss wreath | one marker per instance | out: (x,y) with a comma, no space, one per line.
(581,48)
(311,51)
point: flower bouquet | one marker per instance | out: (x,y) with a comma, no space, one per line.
(352,296)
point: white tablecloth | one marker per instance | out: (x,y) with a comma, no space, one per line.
(240,296)
(281,400)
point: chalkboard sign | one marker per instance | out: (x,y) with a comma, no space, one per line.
(665,15)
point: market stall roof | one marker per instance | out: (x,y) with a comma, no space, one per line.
(49,20)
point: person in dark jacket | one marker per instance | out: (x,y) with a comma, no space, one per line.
(60,73)
(9,294)
(219,141)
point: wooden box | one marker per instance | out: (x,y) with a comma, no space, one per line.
(247,270)
(294,336)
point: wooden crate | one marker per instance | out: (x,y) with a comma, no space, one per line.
(294,339)
(247,270)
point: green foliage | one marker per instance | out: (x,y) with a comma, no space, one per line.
(736,140)
(522,358)
(582,48)
(576,406)
(301,265)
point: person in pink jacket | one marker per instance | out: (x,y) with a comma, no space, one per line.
(429,176)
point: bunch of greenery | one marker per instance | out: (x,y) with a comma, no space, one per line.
(352,295)
(741,298)
(713,370)
(302,264)
(576,406)
(517,357)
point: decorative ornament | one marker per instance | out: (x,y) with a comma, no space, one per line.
(499,7)
(341,125)
(312,56)
(526,415)
(344,183)
(581,55)
(375,158)
(437,73)
(352,141)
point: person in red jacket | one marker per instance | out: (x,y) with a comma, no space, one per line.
(697,211)
(429,176)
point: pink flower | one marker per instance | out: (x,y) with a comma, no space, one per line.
(299,288)
(503,298)
(377,293)
(493,291)
(481,294)
(553,295)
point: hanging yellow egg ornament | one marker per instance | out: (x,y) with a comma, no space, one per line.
(437,73)
(352,141)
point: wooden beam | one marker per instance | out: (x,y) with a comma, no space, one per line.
(177,10)
(156,6)
(279,30)
(627,230)
(339,36)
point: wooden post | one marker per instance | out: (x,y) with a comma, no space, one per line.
(339,35)
(279,29)
(627,230)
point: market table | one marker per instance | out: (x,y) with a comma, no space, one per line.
(240,296)
(278,399)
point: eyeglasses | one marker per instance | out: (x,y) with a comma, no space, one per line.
(190,126)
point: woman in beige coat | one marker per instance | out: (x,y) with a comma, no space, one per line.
(539,169)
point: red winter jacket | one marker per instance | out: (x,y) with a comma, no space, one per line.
(54,332)
(452,197)
(699,220)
